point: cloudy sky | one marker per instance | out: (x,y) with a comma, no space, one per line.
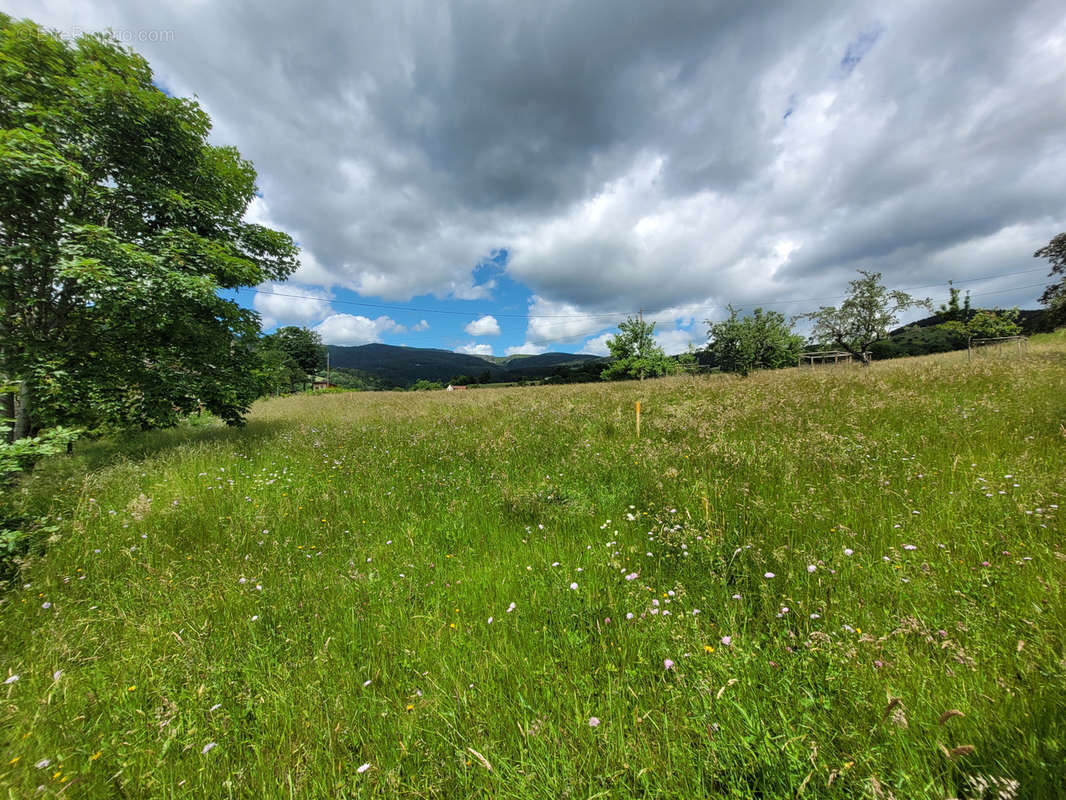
(513,177)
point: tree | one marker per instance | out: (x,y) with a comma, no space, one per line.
(952,311)
(864,317)
(119,224)
(303,346)
(986,324)
(634,353)
(1054,297)
(276,369)
(763,340)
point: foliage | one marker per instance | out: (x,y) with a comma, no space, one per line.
(634,353)
(1054,296)
(763,340)
(863,318)
(916,340)
(293,353)
(330,607)
(23,453)
(120,222)
(985,324)
(356,379)
(276,370)
(302,345)
(427,386)
(952,311)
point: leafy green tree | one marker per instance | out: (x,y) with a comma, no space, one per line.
(634,353)
(952,311)
(119,224)
(304,349)
(764,340)
(277,370)
(1054,297)
(422,385)
(864,317)
(986,324)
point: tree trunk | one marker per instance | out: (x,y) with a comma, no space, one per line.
(8,412)
(22,412)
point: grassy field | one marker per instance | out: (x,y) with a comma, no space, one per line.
(829,583)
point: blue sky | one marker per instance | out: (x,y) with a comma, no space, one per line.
(501,317)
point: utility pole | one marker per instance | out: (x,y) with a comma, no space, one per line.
(327,367)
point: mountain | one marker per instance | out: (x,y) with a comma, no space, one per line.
(402,366)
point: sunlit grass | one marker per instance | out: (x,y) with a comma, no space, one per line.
(429,594)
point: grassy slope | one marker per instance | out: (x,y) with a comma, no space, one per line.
(313,593)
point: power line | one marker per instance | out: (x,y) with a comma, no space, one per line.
(599,327)
(617,314)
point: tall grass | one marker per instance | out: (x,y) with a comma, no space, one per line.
(782,588)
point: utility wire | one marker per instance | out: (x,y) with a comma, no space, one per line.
(617,314)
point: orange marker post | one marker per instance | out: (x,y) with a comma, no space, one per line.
(638,419)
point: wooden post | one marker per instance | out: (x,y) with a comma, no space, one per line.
(638,419)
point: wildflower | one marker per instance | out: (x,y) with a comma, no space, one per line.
(632,576)
(57,675)
(365,684)
(736,597)
(727,641)
(11,679)
(510,608)
(46,605)
(708,649)
(695,611)
(848,551)
(594,722)
(629,615)
(363,768)
(769,575)
(573,587)
(816,616)
(44,762)
(910,547)
(208,748)
(490,620)
(668,664)
(811,567)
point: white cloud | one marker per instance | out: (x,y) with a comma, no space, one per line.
(597,346)
(526,349)
(484,326)
(421,326)
(857,135)
(475,349)
(349,329)
(289,304)
(553,321)
(675,341)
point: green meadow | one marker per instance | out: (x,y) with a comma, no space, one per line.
(838,582)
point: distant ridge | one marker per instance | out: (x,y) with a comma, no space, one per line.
(403,366)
